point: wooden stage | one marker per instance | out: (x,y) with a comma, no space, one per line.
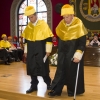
(14,82)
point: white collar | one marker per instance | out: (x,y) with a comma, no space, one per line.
(35,22)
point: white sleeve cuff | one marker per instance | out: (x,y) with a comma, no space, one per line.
(78,55)
(48,47)
(25,48)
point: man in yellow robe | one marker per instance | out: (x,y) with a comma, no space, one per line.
(71,44)
(4,55)
(6,44)
(39,45)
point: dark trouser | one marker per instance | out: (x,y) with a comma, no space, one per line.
(20,53)
(34,81)
(4,55)
(59,86)
(14,54)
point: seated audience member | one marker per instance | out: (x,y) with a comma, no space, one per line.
(18,42)
(15,48)
(20,46)
(6,44)
(15,42)
(4,55)
(95,41)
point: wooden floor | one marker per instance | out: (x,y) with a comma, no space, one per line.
(13,79)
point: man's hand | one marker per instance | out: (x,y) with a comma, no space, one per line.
(76,60)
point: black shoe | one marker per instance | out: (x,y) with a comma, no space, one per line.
(53,93)
(6,63)
(31,90)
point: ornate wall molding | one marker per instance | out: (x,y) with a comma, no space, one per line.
(88,11)
(92,14)
(13,15)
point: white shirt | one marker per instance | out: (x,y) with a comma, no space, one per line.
(94,41)
(35,22)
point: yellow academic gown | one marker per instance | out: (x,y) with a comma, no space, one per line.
(72,39)
(5,44)
(3,52)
